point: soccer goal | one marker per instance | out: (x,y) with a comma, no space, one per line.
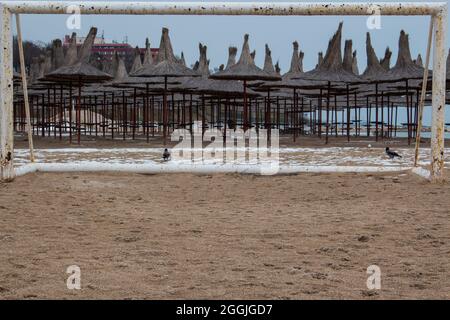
(436,10)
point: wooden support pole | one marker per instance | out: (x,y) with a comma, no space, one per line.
(423,94)
(24,87)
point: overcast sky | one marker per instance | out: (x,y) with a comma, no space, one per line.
(219,32)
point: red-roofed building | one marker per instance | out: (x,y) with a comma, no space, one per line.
(106,49)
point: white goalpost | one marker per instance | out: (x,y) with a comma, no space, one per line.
(436,10)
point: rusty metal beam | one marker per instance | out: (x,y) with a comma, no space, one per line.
(226,8)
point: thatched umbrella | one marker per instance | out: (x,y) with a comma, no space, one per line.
(376,74)
(72,51)
(319,59)
(268,67)
(198,84)
(296,67)
(217,88)
(277,68)
(405,68)
(268,63)
(332,71)
(80,71)
(202,67)
(148,58)
(182,60)
(137,63)
(166,66)
(355,68)
(418,61)
(347,62)
(350,62)
(374,71)
(385,62)
(246,70)
(57,54)
(232,52)
(289,81)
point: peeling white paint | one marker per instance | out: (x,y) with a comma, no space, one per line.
(226,8)
(6,97)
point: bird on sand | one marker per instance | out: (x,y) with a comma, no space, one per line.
(166,155)
(392,154)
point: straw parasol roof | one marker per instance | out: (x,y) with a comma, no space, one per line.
(418,61)
(355,68)
(404,68)
(120,73)
(137,63)
(347,63)
(81,70)
(166,63)
(232,52)
(148,58)
(268,63)
(331,69)
(245,68)
(202,67)
(297,83)
(296,68)
(374,71)
(182,60)
(85,51)
(277,68)
(222,88)
(385,62)
(57,54)
(319,59)
(120,76)
(72,53)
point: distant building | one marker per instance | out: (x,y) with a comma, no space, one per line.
(106,49)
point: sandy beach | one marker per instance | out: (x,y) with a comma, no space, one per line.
(185,236)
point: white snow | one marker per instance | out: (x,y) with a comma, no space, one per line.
(421,172)
(286,160)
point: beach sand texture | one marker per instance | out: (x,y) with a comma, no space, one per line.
(186,236)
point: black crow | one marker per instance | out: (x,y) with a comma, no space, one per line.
(166,155)
(392,154)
